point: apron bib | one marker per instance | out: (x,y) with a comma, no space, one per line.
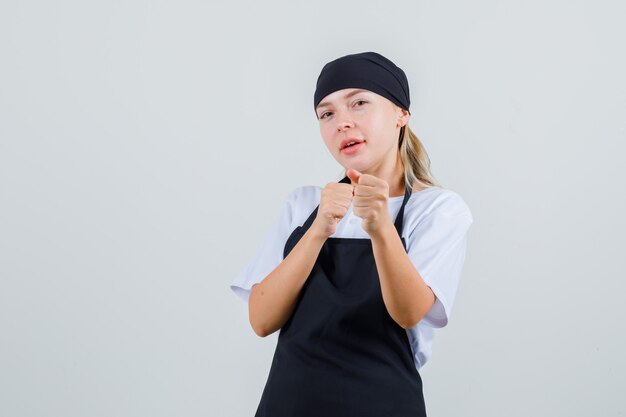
(340,354)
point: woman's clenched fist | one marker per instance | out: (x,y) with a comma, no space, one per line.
(334,203)
(371,201)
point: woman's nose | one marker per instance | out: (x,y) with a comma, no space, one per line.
(344,123)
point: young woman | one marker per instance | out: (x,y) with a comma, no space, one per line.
(357,275)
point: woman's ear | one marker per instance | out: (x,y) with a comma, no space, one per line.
(404,117)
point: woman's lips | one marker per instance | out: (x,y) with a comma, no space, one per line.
(352,149)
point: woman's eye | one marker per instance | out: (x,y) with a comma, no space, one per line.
(324,114)
(360,101)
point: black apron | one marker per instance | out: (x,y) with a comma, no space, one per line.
(340,354)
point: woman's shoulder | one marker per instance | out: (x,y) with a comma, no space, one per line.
(439,200)
(302,200)
(305,194)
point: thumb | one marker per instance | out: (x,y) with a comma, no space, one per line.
(353,174)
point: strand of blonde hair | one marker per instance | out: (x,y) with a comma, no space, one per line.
(415,159)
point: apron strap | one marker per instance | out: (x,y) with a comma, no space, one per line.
(399,222)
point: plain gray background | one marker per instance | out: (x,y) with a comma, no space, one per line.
(147,146)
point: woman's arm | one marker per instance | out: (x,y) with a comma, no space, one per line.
(272,300)
(406,295)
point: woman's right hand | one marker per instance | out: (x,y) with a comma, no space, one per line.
(335,200)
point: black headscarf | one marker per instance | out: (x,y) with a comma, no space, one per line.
(367,70)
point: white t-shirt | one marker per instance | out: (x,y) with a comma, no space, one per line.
(436,224)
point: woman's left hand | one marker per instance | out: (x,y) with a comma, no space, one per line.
(371,195)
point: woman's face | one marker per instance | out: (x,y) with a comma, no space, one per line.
(370,119)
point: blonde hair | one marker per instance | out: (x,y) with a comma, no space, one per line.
(414,158)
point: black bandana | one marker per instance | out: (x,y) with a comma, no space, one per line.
(367,70)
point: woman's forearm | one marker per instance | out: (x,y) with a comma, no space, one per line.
(406,295)
(272,300)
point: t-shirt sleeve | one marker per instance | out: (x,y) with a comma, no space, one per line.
(437,249)
(270,253)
